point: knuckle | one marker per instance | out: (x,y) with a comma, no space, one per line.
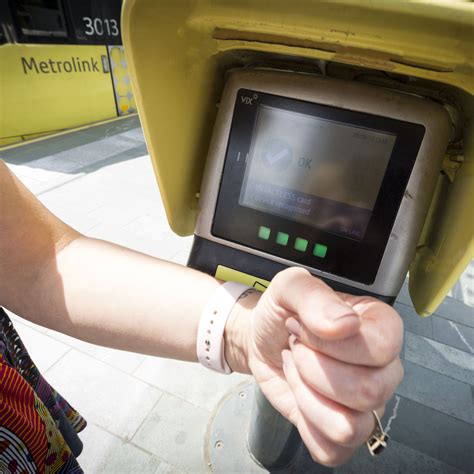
(387,340)
(394,339)
(282,282)
(346,431)
(387,348)
(371,390)
(290,274)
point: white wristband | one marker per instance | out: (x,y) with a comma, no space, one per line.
(210,336)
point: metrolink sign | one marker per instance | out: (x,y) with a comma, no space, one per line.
(50,66)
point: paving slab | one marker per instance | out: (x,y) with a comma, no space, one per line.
(456,311)
(78,220)
(41,180)
(440,392)
(104,395)
(175,431)
(453,334)
(165,468)
(28,152)
(125,361)
(49,146)
(189,381)
(105,453)
(14,317)
(113,216)
(181,257)
(91,350)
(43,350)
(439,357)
(93,155)
(428,431)
(114,127)
(463,290)
(397,459)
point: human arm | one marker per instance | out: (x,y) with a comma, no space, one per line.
(112,296)
(90,289)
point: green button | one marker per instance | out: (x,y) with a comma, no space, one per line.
(282,238)
(264,232)
(320,250)
(301,244)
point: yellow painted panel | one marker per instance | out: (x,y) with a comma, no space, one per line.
(178,54)
(229,274)
(449,243)
(52,87)
(9,141)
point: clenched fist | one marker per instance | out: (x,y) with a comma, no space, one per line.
(324,360)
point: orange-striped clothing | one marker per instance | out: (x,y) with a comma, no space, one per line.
(38,428)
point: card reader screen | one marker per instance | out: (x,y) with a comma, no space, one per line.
(322,173)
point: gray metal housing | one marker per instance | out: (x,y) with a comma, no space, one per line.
(411,215)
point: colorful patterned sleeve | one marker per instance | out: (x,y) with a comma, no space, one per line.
(38,428)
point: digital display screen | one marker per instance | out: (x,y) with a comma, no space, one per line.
(322,173)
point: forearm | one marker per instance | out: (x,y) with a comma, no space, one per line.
(112,296)
(97,291)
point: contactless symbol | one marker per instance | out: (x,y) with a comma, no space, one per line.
(277,154)
(259,286)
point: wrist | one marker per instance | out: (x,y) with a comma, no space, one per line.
(237,331)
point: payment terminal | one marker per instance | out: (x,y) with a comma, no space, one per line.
(333,136)
(306,170)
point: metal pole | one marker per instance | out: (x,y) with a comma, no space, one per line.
(275,443)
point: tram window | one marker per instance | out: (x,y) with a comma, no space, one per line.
(40,18)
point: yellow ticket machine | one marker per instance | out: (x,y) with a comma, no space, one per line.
(336,136)
(180,54)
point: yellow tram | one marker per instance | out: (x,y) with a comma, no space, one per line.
(62,66)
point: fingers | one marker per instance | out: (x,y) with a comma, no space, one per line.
(343,364)
(321,310)
(330,431)
(377,342)
(358,387)
(322,450)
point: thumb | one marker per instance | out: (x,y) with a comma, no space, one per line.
(308,301)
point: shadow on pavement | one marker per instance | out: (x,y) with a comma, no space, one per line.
(81,151)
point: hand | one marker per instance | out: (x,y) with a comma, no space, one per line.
(340,362)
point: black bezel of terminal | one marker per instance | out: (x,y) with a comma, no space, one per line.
(356,260)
